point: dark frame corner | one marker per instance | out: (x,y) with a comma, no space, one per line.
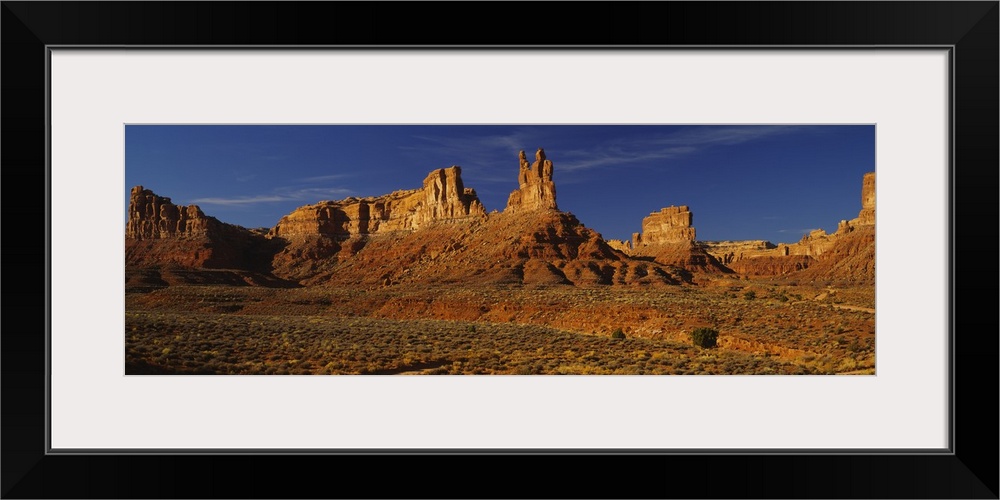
(971,28)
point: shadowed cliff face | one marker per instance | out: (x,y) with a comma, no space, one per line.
(154,217)
(159,233)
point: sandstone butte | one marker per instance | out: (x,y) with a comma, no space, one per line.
(441,233)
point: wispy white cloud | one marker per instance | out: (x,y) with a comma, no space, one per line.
(660,144)
(280,195)
(724,136)
(324,178)
(798,231)
(589,159)
(666,147)
(243,200)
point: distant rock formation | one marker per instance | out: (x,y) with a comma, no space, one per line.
(728,252)
(818,242)
(771,265)
(668,237)
(669,225)
(159,233)
(847,254)
(536,190)
(442,198)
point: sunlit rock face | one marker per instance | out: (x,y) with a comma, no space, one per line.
(669,225)
(536,190)
(443,197)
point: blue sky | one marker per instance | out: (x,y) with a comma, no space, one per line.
(741,182)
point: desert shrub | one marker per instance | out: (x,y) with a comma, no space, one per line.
(618,334)
(704,337)
(750,295)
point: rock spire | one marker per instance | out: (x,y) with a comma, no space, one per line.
(535,191)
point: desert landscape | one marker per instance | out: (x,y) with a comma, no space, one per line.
(425,280)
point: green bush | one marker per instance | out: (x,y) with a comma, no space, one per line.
(618,334)
(750,295)
(704,337)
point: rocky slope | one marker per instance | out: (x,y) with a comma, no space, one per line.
(544,248)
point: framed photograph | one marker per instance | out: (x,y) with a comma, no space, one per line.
(302,139)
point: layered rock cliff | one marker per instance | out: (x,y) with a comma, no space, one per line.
(443,198)
(536,190)
(159,233)
(328,232)
(152,217)
(669,225)
(728,252)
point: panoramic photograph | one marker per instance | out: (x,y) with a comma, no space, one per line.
(499,249)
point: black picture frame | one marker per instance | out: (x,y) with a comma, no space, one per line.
(969,28)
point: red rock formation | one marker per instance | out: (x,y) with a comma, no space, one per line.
(155,217)
(850,258)
(727,252)
(536,191)
(669,225)
(668,237)
(867,214)
(337,230)
(685,254)
(391,241)
(442,198)
(531,248)
(846,255)
(771,265)
(159,233)
(622,246)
